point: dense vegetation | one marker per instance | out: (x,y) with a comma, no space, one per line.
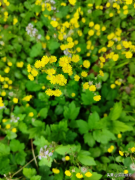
(67,95)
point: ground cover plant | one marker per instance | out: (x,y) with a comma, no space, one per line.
(67,93)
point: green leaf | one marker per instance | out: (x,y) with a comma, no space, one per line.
(105,77)
(53,45)
(43,112)
(23,127)
(46,162)
(71,112)
(11,135)
(5,166)
(32,86)
(118,126)
(36,177)
(103,136)
(4,149)
(15,145)
(40,142)
(83,126)
(92,121)
(116,111)
(87,97)
(88,139)
(62,150)
(36,50)
(29,172)
(86,160)
(20,158)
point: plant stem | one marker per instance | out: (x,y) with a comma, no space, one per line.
(33,153)
(23,166)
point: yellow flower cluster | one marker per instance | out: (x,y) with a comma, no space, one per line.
(64,62)
(6,2)
(51,92)
(4,81)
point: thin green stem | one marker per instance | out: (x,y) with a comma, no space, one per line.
(23,166)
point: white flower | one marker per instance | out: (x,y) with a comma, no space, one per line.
(89,11)
(98,85)
(90,82)
(50,154)
(132,166)
(11,93)
(83,169)
(39,36)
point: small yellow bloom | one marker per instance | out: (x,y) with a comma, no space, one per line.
(121,153)
(43,87)
(15,100)
(67,158)
(31,114)
(105,115)
(113,86)
(68,173)
(14,130)
(3,93)
(125,171)
(55,171)
(79,175)
(8,126)
(97,98)
(119,136)
(73,94)
(88,174)
(133,149)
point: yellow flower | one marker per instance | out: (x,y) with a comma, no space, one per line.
(55,171)
(30,77)
(125,171)
(128,54)
(31,114)
(3,93)
(84,74)
(109,150)
(68,173)
(9,63)
(14,130)
(111,14)
(91,32)
(79,175)
(121,153)
(113,86)
(73,94)
(86,64)
(15,100)
(88,174)
(67,158)
(4,120)
(47,37)
(97,98)
(72,2)
(119,136)
(8,126)
(54,23)
(101,73)
(129,1)
(76,77)
(15,20)
(115,57)
(63,4)
(92,88)
(43,87)
(133,149)
(49,92)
